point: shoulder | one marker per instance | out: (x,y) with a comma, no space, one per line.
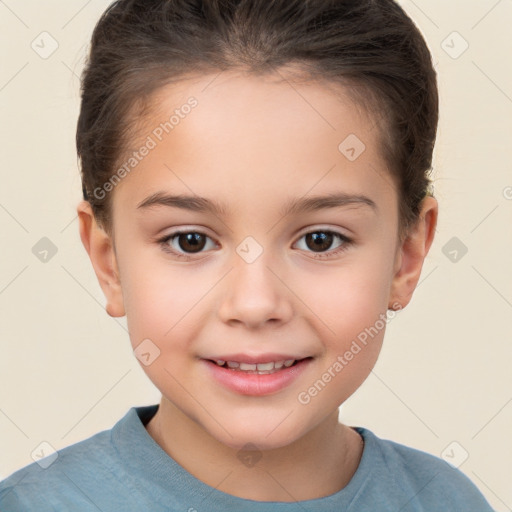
(421,480)
(61,474)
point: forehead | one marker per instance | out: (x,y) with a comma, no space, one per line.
(255,103)
(265,134)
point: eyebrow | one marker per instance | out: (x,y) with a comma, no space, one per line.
(319,202)
(193,203)
(292,206)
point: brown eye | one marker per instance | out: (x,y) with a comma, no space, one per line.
(323,243)
(319,241)
(191,242)
(184,243)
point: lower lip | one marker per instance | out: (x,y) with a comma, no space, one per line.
(255,384)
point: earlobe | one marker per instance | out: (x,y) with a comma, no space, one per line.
(412,254)
(100,248)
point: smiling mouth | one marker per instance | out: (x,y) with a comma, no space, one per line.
(258,368)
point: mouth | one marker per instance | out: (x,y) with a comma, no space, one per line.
(257,376)
(257,368)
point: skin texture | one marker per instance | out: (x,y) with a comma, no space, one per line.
(253,144)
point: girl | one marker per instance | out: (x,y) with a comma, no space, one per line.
(255,179)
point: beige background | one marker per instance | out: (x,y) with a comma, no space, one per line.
(67,370)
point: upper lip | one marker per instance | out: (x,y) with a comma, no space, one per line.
(255,358)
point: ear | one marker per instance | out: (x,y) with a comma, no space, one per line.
(100,248)
(411,254)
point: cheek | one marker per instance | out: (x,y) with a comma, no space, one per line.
(349,296)
(155,297)
(350,304)
(165,302)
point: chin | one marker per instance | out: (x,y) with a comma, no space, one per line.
(263,435)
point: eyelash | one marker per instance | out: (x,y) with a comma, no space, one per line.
(346,242)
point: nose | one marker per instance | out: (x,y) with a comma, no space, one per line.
(254,295)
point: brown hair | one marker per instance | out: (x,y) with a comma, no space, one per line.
(371,46)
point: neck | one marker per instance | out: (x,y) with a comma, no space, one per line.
(319,464)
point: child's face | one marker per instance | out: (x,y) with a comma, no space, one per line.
(258,289)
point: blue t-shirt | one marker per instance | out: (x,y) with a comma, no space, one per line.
(123,469)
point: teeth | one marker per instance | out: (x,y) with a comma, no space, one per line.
(256,368)
(247,366)
(265,366)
